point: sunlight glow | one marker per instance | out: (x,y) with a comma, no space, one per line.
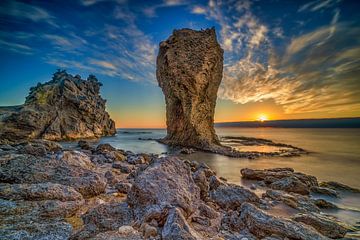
(262,118)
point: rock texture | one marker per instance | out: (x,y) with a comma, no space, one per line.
(100,192)
(66,107)
(189,72)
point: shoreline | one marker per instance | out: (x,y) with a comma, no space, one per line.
(113,174)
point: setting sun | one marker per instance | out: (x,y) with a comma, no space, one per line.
(262,118)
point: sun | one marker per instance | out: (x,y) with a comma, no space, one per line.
(262,118)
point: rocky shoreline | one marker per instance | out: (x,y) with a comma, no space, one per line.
(49,192)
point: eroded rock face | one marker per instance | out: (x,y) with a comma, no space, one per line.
(66,107)
(165,184)
(189,72)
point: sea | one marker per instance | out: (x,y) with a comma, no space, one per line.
(334,155)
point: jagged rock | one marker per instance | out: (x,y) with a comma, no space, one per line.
(164,184)
(189,72)
(262,225)
(231,196)
(296,201)
(45,230)
(63,108)
(290,184)
(123,187)
(84,145)
(324,191)
(123,167)
(339,186)
(70,168)
(321,203)
(282,179)
(39,191)
(105,217)
(326,226)
(176,227)
(202,182)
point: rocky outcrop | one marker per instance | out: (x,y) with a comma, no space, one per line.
(47,192)
(189,72)
(66,107)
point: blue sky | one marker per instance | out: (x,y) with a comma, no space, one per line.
(285,59)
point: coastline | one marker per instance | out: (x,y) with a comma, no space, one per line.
(112,174)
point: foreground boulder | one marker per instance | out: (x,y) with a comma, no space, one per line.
(189,72)
(66,107)
(165,184)
(263,225)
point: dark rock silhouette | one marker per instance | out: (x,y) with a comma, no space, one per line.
(66,107)
(189,72)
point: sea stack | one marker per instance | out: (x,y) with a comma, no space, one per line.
(189,72)
(65,108)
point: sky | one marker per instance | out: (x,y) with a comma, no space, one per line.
(282,59)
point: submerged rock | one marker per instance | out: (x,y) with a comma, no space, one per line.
(189,72)
(66,107)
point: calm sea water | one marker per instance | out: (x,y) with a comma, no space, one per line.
(334,155)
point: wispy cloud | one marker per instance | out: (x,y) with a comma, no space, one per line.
(26,11)
(318,5)
(150,11)
(325,78)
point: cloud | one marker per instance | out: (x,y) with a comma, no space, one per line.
(104,64)
(16,47)
(93,2)
(314,75)
(26,11)
(198,10)
(318,5)
(150,11)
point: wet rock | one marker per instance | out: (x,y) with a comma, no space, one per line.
(84,145)
(321,203)
(33,149)
(176,227)
(231,196)
(189,72)
(263,225)
(324,191)
(63,108)
(165,183)
(282,179)
(290,184)
(326,226)
(104,148)
(339,186)
(105,217)
(296,201)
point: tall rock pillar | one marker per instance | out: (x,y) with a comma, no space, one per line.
(189,72)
